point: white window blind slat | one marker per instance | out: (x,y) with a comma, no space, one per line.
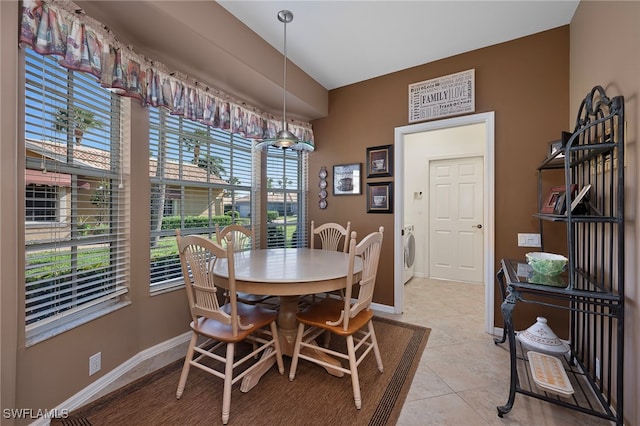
(110,298)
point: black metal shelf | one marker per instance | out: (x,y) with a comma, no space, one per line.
(586,294)
(591,396)
(583,398)
(575,218)
(592,288)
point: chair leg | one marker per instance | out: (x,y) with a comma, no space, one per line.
(296,352)
(353,366)
(228,378)
(327,339)
(276,343)
(376,350)
(186,365)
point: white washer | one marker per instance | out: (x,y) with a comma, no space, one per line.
(409,245)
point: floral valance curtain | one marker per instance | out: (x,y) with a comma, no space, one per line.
(83,44)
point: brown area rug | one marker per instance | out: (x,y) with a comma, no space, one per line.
(313,398)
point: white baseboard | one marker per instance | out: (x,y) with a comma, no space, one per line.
(382,308)
(87,393)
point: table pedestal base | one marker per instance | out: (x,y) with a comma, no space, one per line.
(287,331)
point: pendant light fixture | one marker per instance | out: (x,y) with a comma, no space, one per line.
(284,138)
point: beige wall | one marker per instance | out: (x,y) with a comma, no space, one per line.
(531,104)
(9,256)
(605,51)
(527,83)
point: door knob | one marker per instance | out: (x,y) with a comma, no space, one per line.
(477,226)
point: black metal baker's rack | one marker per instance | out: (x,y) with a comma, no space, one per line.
(592,290)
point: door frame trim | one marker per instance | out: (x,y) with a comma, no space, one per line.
(488,118)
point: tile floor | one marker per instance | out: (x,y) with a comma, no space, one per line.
(463,375)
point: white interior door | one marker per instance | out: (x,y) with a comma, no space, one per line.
(456,219)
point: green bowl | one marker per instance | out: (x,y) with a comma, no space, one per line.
(547,263)
(551,280)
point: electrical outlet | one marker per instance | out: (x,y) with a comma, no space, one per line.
(94,363)
(597,368)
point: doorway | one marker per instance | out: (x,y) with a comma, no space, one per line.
(443,149)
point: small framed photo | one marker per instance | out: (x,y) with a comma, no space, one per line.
(556,149)
(556,199)
(346,179)
(550,202)
(561,204)
(380,197)
(380,161)
(581,197)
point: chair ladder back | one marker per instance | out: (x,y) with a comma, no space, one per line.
(198,256)
(242,237)
(330,235)
(368,250)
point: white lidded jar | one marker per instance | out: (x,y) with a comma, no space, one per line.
(540,338)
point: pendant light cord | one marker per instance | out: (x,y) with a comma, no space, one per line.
(285,17)
(284,96)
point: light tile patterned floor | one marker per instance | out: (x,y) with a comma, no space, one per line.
(462,375)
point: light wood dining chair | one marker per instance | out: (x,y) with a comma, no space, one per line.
(332,236)
(222,325)
(243,239)
(343,318)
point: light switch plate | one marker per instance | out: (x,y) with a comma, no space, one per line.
(529,240)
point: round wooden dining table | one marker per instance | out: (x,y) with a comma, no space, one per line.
(288,273)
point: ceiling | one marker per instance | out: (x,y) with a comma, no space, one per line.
(343,42)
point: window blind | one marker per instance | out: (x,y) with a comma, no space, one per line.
(75,212)
(286,188)
(200,176)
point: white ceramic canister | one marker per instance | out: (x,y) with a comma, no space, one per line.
(540,338)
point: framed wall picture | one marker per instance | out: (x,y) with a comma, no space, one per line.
(380,197)
(346,179)
(380,161)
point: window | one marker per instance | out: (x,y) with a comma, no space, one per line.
(201,176)
(76,256)
(170,208)
(286,198)
(41,203)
